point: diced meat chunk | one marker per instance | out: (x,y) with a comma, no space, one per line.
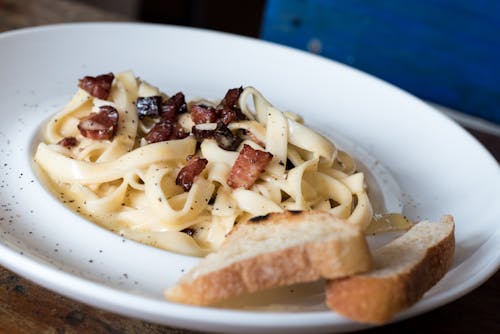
(222,135)
(225,138)
(174,106)
(68,142)
(150,106)
(248,167)
(203,114)
(228,110)
(99,86)
(231,98)
(227,115)
(179,132)
(187,174)
(165,130)
(101,125)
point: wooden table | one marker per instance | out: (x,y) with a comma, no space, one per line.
(28,308)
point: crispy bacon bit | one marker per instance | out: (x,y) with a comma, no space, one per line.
(222,135)
(101,125)
(179,132)
(228,110)
(174,106)
(68,142)
(165,130)
(248,167)
(231,98)
(226,139)
(201,134)
(227,115)
(203,114)
(189,231)
(148,106)
(99,86)
(193,168)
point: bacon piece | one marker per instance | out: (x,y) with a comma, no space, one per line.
(99,86)
(101,125)
(68,142)
(227,115)
(148,106)
(179,132)
(228,110)
(230,100)
(225,138)
(165,130)
(222,135)
(174,106)
(193,168)
(203,114)
(248,167)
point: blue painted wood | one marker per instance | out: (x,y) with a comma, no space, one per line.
(445,51)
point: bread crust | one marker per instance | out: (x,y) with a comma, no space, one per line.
(373,299)
(306,262)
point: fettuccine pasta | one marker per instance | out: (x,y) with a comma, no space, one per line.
(129,182)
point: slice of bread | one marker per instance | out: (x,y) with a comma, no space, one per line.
(275,250)
(404,270)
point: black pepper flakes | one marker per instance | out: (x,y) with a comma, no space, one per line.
(189,231)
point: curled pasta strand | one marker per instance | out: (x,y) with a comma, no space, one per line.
(294,180)
(169,240)
(193,204)
(217,229)
(224,205)
(65,169)
(109,203)
(93,151)
(344,162)
(218,172)
(129,185)
(257,129)
(299,134)
(362,213)
(78,105)
(128,120)
(255,204)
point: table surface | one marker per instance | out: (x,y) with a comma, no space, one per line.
(26,307)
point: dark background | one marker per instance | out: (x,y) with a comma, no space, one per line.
(240,17)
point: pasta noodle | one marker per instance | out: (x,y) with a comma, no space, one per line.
(129,186)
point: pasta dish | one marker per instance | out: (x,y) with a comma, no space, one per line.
(178,175)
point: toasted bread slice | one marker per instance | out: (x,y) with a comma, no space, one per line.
(404,270)
(275,250)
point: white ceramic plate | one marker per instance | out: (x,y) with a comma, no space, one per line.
(438,166)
